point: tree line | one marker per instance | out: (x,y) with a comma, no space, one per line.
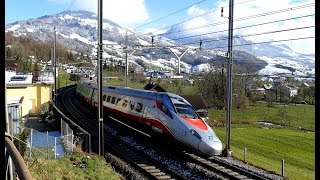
(29,52)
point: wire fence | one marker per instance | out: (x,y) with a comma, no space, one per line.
(67,136)
(33,144)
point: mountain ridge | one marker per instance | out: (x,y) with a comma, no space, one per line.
(77,30)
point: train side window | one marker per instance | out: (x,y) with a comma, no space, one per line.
(124,103)
(139,107)
(108,98)
(119,100)
(104,98)
(132,105)
(113,100)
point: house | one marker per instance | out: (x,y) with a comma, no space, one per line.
(27,94)
(281,81)
(291,91)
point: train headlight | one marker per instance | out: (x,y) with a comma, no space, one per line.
(194,132)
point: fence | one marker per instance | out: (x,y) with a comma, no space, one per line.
(67,136)
(33,144)
(73,134)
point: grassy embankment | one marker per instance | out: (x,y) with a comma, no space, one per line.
(268,146)
(69,167)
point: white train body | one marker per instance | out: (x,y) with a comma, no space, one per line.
(161,111)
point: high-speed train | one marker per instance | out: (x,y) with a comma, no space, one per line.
(163,112)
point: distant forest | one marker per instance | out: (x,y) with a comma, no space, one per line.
(22,48)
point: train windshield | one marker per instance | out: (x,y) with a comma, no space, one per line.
(184,110)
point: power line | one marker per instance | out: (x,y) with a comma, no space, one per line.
(248,35)
(240,19)
(170,14)
(283,40)
(205,26)
(197,16)
(270,22)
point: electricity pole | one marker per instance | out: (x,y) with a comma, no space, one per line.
(55,66)
(99,78)
(229,79)
(127,67)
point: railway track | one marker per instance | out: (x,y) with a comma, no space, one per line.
(143,163)
(154,160)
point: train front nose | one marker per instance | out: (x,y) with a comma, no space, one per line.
(212,148)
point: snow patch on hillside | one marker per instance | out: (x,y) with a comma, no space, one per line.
(14,27)
(272,70)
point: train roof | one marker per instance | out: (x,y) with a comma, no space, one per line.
(126,90)
(139,92)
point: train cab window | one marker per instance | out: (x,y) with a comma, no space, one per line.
(139,107)
(113,100)
(108,98)
(104,97)
(131,105)
(184,110)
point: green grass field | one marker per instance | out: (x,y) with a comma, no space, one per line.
(267,147)
(289,115)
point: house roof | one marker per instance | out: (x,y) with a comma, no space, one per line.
(151,86)
(11,63)
(196,101)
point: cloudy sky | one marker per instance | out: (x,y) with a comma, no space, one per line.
(154,15)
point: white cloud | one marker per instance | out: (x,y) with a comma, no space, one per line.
(122,12)
(256,7)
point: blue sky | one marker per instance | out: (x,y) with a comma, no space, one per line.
(134,13)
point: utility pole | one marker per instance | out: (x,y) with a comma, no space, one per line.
(58,72)
(55,66)
(51,58)
(229,79)
(127,66)
(99,79)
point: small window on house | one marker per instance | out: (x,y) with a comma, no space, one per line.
(108,98)
(113,100)
(104,98)
(139,107)
(132,105)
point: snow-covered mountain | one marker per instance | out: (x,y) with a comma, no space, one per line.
(280,57)
(77,31)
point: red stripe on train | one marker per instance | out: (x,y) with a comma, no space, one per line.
(196,122)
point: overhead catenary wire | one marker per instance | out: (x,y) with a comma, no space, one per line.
(253,25)
(206,13)
(235,20)
(248,35)
(265,42)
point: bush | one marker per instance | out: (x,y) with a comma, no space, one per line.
(74,77)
